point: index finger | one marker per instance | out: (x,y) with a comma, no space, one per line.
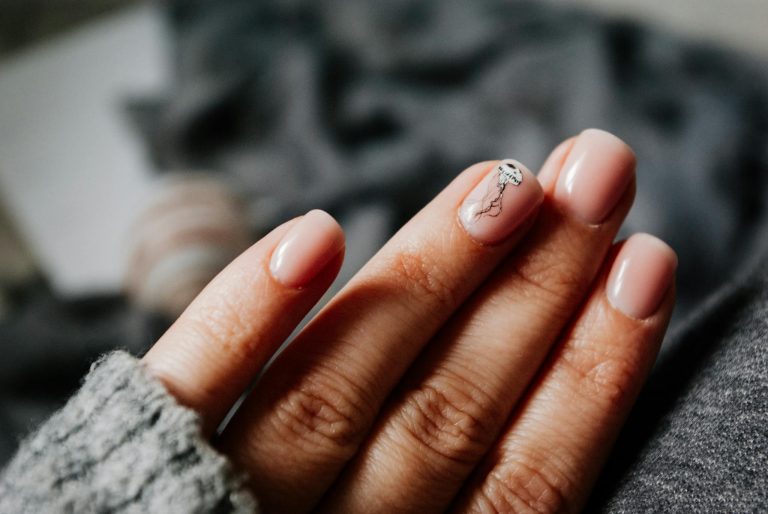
(222,340)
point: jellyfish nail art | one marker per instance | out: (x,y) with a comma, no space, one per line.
(506,173)
(507,186)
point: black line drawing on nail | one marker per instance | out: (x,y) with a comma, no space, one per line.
(506,173)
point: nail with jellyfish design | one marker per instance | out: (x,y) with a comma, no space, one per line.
(505,197)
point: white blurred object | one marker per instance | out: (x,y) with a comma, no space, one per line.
(72,170)
(193,226)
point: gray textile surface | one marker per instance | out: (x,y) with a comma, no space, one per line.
(697,441)
(121,444)
(336,104)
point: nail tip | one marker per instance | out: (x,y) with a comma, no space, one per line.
(662,245)
(320,214)
(331,223)
(610,136)
(306,249)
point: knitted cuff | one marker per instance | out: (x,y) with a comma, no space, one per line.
(122,443)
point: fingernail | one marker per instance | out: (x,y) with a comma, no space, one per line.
(500,202)
(595,175)
(305,250)
(640,276)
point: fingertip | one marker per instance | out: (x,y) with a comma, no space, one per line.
(594,177)
(550,169)
(616,141)
(641,276)
(306,249)
(328,223)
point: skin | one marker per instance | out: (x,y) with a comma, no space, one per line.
(446,375)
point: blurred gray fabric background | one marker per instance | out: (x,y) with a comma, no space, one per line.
(341,105)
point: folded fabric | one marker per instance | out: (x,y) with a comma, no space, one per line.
(697,439)
(121,444)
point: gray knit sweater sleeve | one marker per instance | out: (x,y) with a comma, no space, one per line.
(121,444)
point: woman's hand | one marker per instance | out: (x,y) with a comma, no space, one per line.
(483,360)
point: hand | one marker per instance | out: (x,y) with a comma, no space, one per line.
(483,361)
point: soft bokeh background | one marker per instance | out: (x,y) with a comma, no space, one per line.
(142,145)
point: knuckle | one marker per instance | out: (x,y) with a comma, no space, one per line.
(322,415)
(425,278)
(605,380)
(448,422)
(223,325)
(551,280)
(525,487)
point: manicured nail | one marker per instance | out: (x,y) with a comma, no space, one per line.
(641,275)
(595,175)
(500,202)
(305,250)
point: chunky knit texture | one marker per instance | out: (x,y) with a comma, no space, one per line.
(121,444)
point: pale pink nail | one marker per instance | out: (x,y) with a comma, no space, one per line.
(305,250)
(641,275)
(500,202)
(596,173)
